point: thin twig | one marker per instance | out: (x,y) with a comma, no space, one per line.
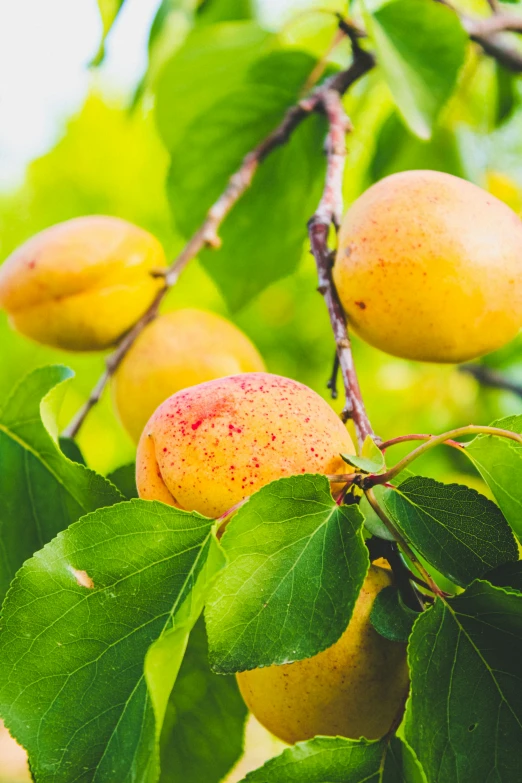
(332,381)
(487,33)
(487,377)
(437,440)
(328,213)
(406,438)
(207,234)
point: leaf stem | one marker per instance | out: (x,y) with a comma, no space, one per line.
(436,440)
(401,541)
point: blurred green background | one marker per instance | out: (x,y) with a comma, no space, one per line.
(109,159)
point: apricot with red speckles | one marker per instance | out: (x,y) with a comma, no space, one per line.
(81,284)
(353,689)
(178,349)
(207,447)
(429,267)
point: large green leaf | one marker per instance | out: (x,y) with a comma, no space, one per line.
(499,462)
(81,690)
(296,564)
(420,48)
(458,530)
(266,230)
(41,490)
(464,716)
(210,65)
(202,735)
(338,760)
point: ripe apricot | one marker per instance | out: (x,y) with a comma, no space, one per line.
(178,349)
(429,267)
(207,447)
(353,689)
(81,284)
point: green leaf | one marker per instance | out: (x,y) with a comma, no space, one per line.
(72,451)
(109,10)
(41,491)
(507,575)
(202,736)
(296,564)
(338,760)
(371,459)
(213,11)
(270,240)
(507,96)
(459,531)
(397,149)
(499,462)
(74,689)
(372,522)
(421,48)
(464,716)
(391,617)
(210,65)
(124,478)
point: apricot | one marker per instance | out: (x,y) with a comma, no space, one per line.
(179,349)
(353,689)
(208,447)
(429,267)
(81,284)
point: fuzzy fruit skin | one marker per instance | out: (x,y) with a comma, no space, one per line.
(208,447)
(177,350)
(81,284)
(353,689)
(429,267)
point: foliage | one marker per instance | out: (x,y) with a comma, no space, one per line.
(106,671)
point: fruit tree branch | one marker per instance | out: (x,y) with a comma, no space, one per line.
(328,213)
(488,377)
(207,234)
(487,33)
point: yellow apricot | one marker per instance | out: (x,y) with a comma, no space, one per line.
(353,689)
(207,447)
(429,267)
(178,349)
(81,284)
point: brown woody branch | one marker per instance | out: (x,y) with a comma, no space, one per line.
(328,213)
(487,33)
(207,234)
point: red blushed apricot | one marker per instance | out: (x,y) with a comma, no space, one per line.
(209,446)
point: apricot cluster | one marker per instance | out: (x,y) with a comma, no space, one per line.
(429,267)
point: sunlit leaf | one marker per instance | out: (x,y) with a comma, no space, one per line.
(80,688)
(41,490)
(296,564)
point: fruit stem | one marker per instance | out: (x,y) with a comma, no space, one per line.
(436,440)
(402,542)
